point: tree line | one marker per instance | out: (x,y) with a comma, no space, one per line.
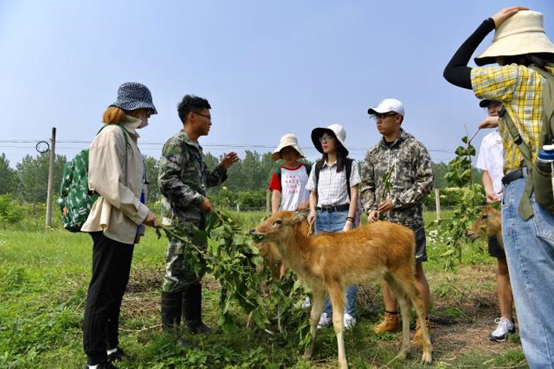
(246,184)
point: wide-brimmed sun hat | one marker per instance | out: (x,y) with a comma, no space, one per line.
(387,106)
(132,96)
(520,34)
(287,140)
(334,130)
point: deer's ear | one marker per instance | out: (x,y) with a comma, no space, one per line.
(299,216)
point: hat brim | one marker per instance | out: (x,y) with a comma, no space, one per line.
(373,111)
(318,132)
(276,155)
(135,106)
(485,103)
(518,44)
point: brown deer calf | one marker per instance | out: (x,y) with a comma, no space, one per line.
(488,224)
(329,262)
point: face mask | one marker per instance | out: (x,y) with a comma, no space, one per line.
(143,122)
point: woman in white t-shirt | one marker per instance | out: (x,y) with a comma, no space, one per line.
(288,183)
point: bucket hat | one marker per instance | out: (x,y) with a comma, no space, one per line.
(287,140)
(520,34)
(335,130)
(387,106)
(132,96)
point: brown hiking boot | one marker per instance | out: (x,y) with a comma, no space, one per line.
(418,336)
(390,323)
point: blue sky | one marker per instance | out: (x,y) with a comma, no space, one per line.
(267,68)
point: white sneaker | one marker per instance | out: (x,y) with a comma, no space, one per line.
(306,303)
(324,321)
(505,327)
(349,321)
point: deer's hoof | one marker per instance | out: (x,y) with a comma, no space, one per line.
(426,358)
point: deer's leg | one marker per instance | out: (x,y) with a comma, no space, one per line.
(318,300)
(407,283)
(336,293)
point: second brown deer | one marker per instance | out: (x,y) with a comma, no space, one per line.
(488,224)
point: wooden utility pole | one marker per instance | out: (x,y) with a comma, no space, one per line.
(438,203)
(50,178)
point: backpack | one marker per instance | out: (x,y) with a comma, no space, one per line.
(538,181)
(76,199)
(358,214)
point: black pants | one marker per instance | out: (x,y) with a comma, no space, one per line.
(111,266)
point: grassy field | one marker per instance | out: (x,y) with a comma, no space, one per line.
(44,277)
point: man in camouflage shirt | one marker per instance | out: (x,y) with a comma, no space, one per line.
(183,181)
(396,175)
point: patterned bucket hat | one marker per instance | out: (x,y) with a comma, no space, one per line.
(132,96)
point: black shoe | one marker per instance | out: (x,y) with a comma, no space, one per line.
(120,355)
(183,343)
(202,328)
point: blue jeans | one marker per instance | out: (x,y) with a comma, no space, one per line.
(334,222)
(530,253)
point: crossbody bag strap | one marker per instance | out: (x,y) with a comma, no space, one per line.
(547,130)
(512,129)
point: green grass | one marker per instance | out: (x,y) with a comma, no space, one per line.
(43,281)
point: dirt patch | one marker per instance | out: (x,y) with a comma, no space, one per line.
(142,297)
(145,279)
(464,307)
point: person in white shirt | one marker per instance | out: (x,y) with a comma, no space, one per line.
(288,183)
(490,161)
(333,200)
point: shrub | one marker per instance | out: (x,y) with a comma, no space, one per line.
(10,212)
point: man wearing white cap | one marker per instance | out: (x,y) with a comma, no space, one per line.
(396,176)
(525,56)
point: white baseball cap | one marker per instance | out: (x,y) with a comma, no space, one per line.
(387,106)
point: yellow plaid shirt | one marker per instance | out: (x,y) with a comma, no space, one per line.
(519,89)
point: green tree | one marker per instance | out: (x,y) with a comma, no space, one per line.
(33,176)
(8,176)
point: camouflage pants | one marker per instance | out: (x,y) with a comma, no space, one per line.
(179,271)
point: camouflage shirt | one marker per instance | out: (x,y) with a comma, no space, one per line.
(402,173)
(184,179)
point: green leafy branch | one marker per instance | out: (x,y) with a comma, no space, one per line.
(460,174)
(235,262)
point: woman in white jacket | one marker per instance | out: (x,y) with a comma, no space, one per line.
(117,218)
